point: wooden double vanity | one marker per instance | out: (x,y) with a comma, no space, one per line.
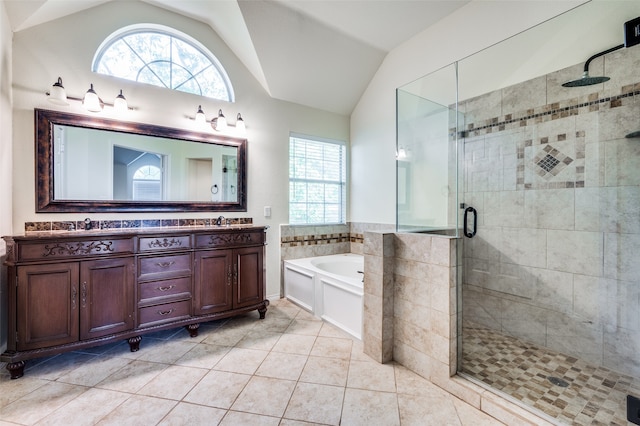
(73,290)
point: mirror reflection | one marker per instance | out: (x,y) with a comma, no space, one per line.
(131,167)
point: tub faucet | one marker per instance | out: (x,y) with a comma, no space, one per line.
(361,272)
(219,220)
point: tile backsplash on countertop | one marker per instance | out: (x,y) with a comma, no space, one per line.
(70,225)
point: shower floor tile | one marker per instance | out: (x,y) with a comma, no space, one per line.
(585,395)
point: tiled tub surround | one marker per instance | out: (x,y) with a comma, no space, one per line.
(557,188)
(298,241)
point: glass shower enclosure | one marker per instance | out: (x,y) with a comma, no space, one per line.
(427,146)
(548,277)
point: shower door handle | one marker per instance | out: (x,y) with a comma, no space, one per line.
(475,222)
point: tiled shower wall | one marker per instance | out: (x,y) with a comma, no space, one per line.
(557,188)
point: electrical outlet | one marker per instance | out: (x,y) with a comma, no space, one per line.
(632,32)
(633,409)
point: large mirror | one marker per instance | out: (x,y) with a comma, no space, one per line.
(88,164)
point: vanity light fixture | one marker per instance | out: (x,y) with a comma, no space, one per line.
(220,122)
(240,127)
(58,95)
(200,117)
(91,100)
(120,103)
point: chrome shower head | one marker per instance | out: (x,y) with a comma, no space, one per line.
(633,135)
(585,80)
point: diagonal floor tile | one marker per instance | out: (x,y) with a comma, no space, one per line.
(252,399)
(363,407)
(316,403)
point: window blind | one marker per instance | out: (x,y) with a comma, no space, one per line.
(317,181)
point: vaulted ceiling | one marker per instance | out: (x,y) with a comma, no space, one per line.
(318,53)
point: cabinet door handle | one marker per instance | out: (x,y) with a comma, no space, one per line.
(165,312)
(167,288)
(229,275)
(235,273)
(165,264)
(74,295)
(83,294)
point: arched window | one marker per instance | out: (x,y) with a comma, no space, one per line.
(163,57)
(147,184)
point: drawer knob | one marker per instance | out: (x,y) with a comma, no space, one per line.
(165,312)
(165,264)
(166,288)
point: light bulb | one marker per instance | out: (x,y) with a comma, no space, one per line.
(200,117)
(120,103)
(240,126)
(91,100)
(220,122)
(58,95)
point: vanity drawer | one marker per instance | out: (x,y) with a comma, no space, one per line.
(157,267)
(166,288)
(172,242)
(164,313)
(230,239)
(69,248)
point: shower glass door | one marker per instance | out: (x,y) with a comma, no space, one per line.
(550,300)
(549,284)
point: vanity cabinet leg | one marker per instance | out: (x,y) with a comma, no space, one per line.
(16,369)
(192,329)
(262,310)
(134,343)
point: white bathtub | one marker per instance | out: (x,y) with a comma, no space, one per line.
(330,287)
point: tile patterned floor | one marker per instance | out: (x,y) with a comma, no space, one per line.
(288,369)
(594,395)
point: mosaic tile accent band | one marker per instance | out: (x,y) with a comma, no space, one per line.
(309,240)
(552,111)
(129,223)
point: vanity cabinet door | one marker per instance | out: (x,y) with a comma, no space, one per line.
(47,305)
(212,281)
(106,297)
(248,276)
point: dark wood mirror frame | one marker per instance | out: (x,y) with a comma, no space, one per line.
(45,120)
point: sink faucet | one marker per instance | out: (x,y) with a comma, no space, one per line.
(219,220)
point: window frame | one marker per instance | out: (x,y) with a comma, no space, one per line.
(342,181)
(171,32)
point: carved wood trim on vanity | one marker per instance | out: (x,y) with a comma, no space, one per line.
(107,285)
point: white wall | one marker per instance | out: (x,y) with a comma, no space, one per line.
(470,29)
(5,157)
(66,47)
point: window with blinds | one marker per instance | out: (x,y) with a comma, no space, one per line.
(317,181)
